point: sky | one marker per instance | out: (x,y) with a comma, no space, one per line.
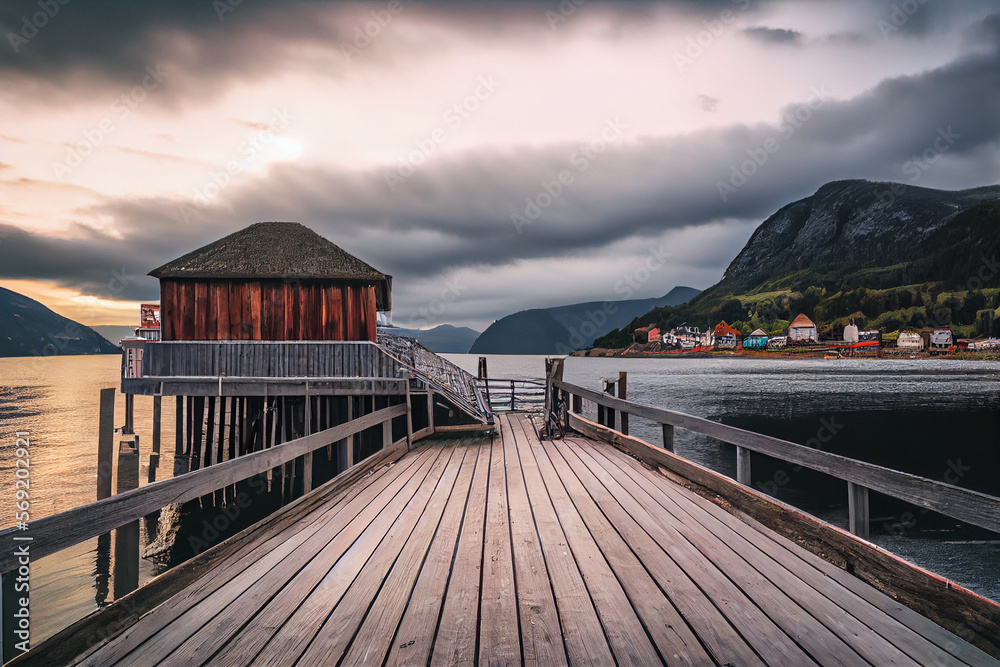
(491,156)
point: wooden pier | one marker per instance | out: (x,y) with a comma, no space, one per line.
(510,550)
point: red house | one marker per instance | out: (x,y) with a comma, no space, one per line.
(277,281)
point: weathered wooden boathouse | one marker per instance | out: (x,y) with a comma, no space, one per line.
(269,334)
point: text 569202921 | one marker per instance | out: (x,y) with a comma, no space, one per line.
(19,616)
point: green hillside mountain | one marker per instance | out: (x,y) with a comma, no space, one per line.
(443,338)
(27,328)
(562,329)
(887,255)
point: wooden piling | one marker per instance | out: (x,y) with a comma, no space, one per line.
(126,570)
(106,443)
(307,460)
(181,462)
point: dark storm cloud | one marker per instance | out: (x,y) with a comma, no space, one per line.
(94,265)
(456,210)
(80,48)
(773,35)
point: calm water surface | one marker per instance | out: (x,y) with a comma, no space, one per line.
(923,416)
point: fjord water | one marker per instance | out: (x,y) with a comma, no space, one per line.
(937,418)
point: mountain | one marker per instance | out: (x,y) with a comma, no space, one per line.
(114,332)
(443,338)
(27,328)
(887,255)
(562,329)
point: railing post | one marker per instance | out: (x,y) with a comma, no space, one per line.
(387,434)
(577,403)
(857,509)
(512,396)
(485,377)
(430,408)
(609,414)
(623,394)
(668,437)
(106,443)
(409,415)
(743,465)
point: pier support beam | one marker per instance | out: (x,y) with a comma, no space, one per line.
(857,509)
(154,456)
(307,460)
(181,462)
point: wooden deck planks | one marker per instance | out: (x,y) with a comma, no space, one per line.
(341,567)
(515,551)
(205,627)
(272,539)
(709,622)
(414,638)
(916,635)
(499,635)
(878,637)
(772,644)
(625,632)
(665,625)
(583,632)
(541,634)
(784,598)
(458,625)
(374,638)
(399,553)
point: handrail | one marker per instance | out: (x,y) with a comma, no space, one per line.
(973,507)
(58,531)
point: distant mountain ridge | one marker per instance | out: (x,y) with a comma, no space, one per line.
(443,338)
(27,328)
(887,255)
(563,329)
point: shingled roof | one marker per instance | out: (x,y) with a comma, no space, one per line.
(801,322)
(284,250)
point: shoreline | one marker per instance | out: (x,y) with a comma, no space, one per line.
(794,353)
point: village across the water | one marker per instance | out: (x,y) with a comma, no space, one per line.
(801,339)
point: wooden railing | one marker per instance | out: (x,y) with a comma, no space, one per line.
(57,532)
(972,507)
(259,359)
(511,395)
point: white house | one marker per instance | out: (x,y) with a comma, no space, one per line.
(802,328)
(910,340)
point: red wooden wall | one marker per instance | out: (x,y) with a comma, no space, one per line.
(266,310)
